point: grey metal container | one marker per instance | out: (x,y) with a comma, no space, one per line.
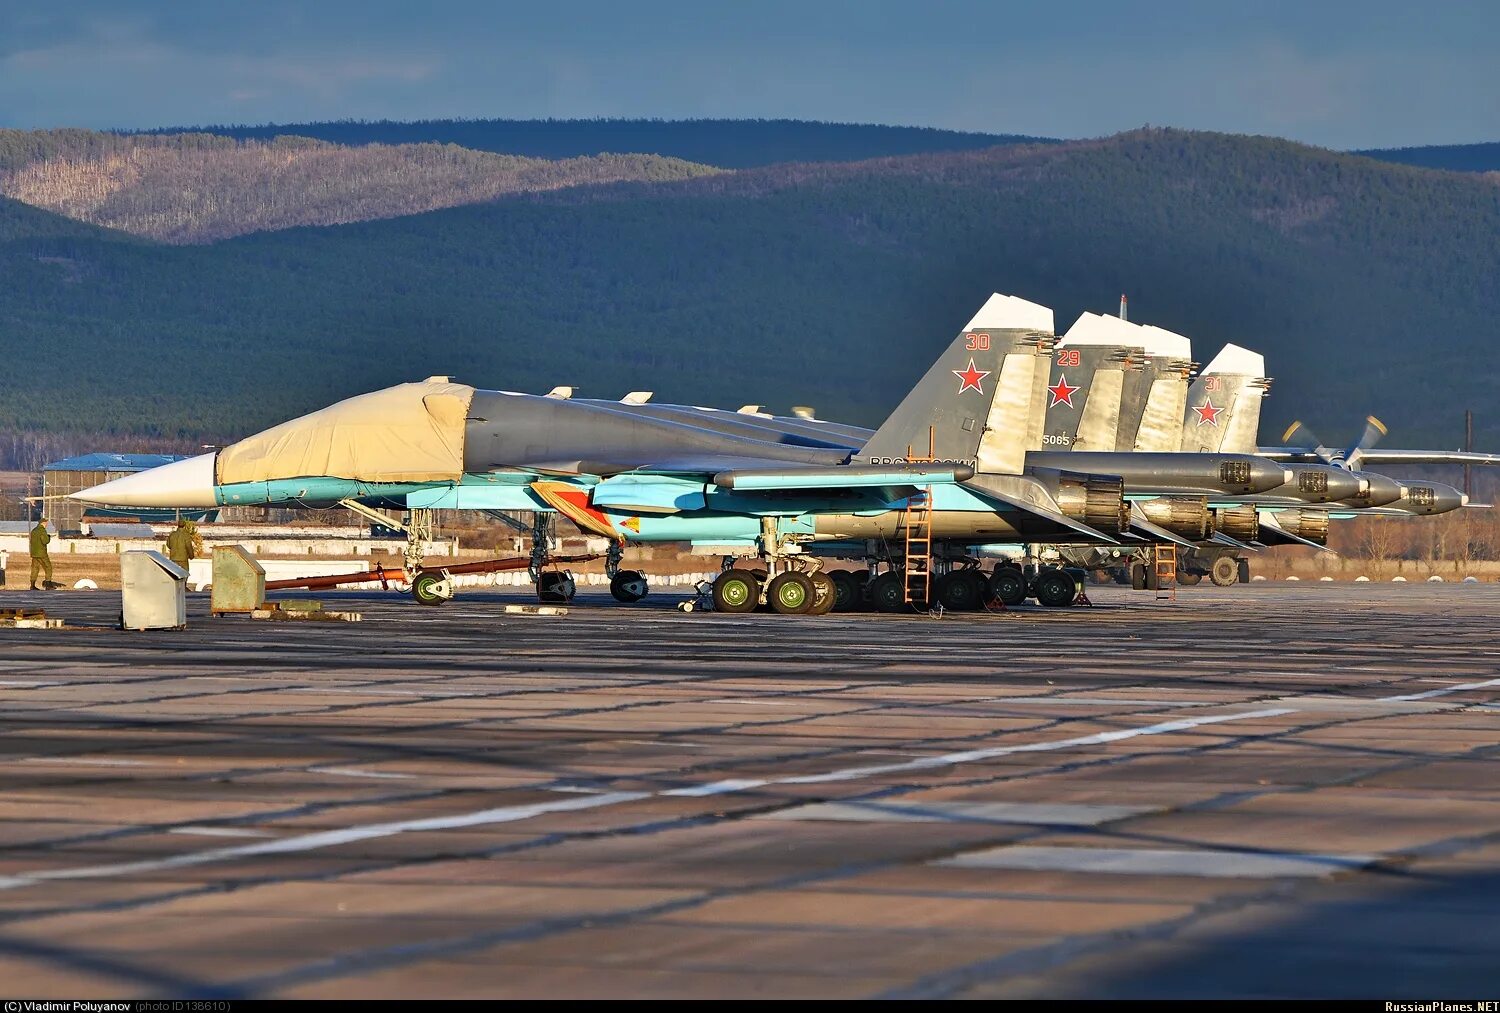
(153,592)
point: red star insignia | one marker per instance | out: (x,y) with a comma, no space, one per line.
(971,378)
(1062,392)
(1207,413)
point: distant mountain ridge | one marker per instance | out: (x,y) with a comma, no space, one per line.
(1456,157)
(728,144)
(195,188)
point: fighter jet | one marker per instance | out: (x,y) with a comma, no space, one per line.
(1236,380)
(636,472)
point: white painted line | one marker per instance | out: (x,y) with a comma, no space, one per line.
(1030,813)
(324,839)
(383,775)
(511,814)
(754,703)
(1131,862)
(220,832)
(1445,690)
(717,787)
(975,755)
(577,789)
(27,684)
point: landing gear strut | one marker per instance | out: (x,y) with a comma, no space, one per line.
(628,586)
(553,587)
(791,585)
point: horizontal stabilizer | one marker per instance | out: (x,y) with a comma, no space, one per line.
(1272,533)
(850,476)
(1140,524)
(1029,495)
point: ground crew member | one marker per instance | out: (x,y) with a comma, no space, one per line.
(41,562)
(180,544)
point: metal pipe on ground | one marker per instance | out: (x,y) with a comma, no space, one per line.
(383,575)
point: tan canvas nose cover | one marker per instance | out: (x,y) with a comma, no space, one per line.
(413,432)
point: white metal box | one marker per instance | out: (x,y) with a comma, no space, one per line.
(153,592)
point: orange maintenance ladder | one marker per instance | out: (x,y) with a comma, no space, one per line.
(918,525)
(1165,556)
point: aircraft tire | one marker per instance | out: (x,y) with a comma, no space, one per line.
(1056,588)
(736,592)
(823,593)
(888,592)
(1225,572)
(848,590)
(791,594)
(1008,584)
(982,593)
(553,587)
(1187,578)
(628,586)
(1244,570)
(421,589)
(958,591)
(1138,576)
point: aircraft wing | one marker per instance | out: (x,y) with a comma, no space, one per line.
(1381,456)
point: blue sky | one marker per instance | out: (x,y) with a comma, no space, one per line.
(1341,74)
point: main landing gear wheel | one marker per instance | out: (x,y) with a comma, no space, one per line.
(846,591)
(555,587)
(962,590)
(888,592)
(1225,571)
(427,589)
(1056,588)
(823,593)
(1187,578)
(736,591)
(628,586)
(1143,576)
(791,594)
(1244,569)
(1008,584)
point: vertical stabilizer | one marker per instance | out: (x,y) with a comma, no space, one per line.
(958,397)
(1223,405)
(1169,363)
(1088,375)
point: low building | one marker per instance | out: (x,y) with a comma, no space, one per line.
(78,473)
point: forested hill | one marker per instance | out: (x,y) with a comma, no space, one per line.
(193,188)
(730,144)
(1457,157)
(1369,286)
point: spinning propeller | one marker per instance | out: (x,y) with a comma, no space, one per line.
(1347,459)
